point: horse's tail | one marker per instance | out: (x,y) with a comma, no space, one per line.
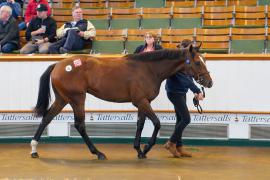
(44,95)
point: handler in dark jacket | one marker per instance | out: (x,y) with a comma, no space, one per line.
(40,33)
(73,35)
(177,86)
(9,32)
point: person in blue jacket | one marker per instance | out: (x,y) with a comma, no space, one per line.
(16,7)
(177,86)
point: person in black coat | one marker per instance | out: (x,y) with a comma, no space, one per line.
(9,32)
(40,32)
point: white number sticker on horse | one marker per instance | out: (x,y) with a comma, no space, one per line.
(68,68)
(77,62)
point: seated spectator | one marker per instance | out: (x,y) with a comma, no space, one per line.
(150,39)
(40,32)
(18,1)
(21,2)
(16,7)
(31,12)
(9,32)
(73,35)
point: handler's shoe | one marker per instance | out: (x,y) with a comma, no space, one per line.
(182,152)
(172,148)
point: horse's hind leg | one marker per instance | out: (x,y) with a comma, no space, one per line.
(79,115)
(145,107)
(137,141)
(55,109)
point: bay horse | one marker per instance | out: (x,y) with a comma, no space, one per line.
(132,78)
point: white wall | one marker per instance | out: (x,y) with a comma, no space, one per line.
(238,86)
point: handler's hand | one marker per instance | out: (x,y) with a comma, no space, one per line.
(199,96)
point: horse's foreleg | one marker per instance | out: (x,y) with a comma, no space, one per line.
(137,141)
(152,140)
(147,109)
(55,109)
(79,115)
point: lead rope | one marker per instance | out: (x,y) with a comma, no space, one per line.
(197,103)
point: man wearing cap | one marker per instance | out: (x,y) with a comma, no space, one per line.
(40,33)
(31,11)
(73,35)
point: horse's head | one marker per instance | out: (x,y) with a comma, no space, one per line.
(196,67)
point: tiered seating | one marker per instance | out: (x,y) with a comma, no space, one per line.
(150,3)
(218,17)
(208,3)
(214,40)
(250,16)
(211,3)
(125,18)
(86,4)
(62,4)
(186,18)
(246,40)
(174,17)
(61,16)
(170,38)
(170,3)
(109,41)
(98,17)
(242,2)
(155,18)
(121,3)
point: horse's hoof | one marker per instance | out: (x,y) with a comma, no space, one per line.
(102,157)
(34,155)
(141,156)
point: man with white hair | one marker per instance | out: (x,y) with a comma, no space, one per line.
(9,32)
(73,35)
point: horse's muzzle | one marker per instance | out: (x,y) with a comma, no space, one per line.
(209,84)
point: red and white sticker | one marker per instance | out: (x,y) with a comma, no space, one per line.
(77,62)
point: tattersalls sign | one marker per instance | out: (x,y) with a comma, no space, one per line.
(217,118)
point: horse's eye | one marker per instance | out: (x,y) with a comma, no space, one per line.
(198,63)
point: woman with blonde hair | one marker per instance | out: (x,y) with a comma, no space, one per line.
(151,44)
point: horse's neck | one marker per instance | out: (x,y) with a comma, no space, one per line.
(166,68)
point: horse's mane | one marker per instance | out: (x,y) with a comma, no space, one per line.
(157,55)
